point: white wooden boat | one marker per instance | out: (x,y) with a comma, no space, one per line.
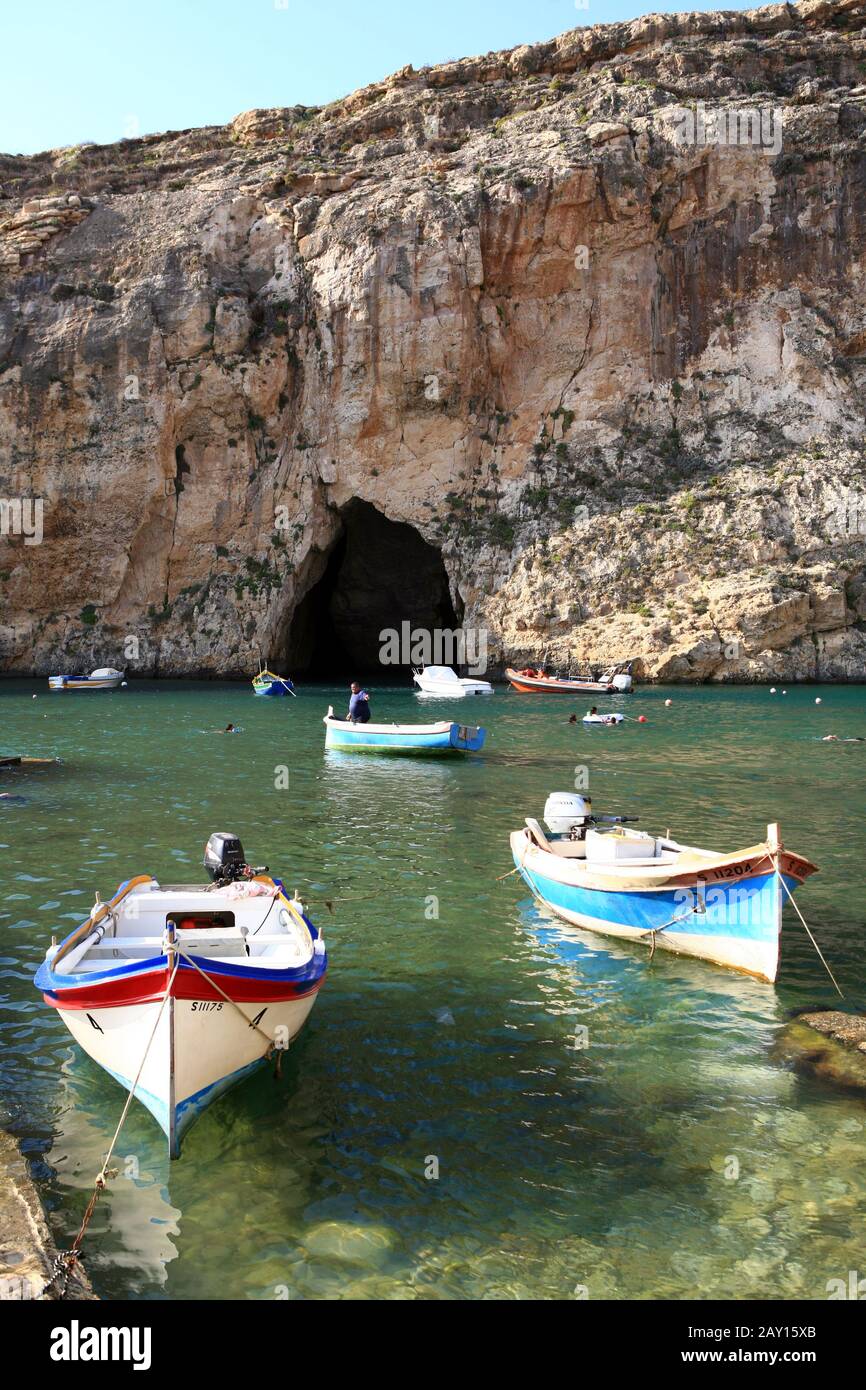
(602,874)
(182,991)
(445,682)
(104,678)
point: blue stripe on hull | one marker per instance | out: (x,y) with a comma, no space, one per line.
(358,740)
(190,1109)
(744,911)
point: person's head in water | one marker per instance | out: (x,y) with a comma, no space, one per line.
(572,719)
(229,729)
(594,709)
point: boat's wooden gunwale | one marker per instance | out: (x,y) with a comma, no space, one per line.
(692,865)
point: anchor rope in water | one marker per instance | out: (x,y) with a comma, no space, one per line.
(806,925)
(519,867)
(652,932)
(699,907)
(67,1258)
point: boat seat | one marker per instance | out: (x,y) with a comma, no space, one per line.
(538,835)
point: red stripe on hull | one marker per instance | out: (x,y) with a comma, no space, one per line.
(149,987)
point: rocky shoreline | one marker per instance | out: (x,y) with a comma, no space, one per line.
(27,1249)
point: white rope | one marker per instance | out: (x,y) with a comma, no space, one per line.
(65,1260)
(811,937)
(123,1116)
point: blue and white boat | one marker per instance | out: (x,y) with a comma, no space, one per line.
(443,737)
(602,874)
(105,678)
(266,683)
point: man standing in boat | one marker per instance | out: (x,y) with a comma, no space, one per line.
(359,705)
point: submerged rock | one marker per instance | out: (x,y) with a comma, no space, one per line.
(349,1243)
(830,1046)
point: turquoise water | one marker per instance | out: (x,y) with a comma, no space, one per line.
(449,1040)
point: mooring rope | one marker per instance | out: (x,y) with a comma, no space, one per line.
(67,1258)
(271,1045)
(518,868)
(699,907)
(806,925)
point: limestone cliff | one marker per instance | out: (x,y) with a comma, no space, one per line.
(611,370)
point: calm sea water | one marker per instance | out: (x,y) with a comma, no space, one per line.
(449,1040)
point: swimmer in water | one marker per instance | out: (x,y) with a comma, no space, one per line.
(572,719)
(229,729)
(834,738)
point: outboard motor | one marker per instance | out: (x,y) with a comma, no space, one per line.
(224,859)
(568,813)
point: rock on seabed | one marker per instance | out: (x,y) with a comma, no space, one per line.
(614,378)
(830,1045)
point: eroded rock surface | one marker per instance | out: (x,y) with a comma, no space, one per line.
(27,1251)
(617,380)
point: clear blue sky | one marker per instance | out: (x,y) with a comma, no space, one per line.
(104,69)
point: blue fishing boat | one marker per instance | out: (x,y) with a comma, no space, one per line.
(443,737)
(600,873)
(266,683)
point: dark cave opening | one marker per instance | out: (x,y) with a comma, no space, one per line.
(379,574)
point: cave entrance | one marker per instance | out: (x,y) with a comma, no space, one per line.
(379,574)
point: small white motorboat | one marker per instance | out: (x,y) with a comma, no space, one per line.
(104,678)
(179,992)
(444,681)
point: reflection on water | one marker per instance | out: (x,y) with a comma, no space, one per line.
(595,1119)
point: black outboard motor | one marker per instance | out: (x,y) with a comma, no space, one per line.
(224,859)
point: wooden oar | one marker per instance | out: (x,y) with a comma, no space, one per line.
(19,760)
(87,927)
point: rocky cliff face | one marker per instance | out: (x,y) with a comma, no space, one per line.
(589,317)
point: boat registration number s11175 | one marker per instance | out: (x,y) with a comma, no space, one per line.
(204,1006)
